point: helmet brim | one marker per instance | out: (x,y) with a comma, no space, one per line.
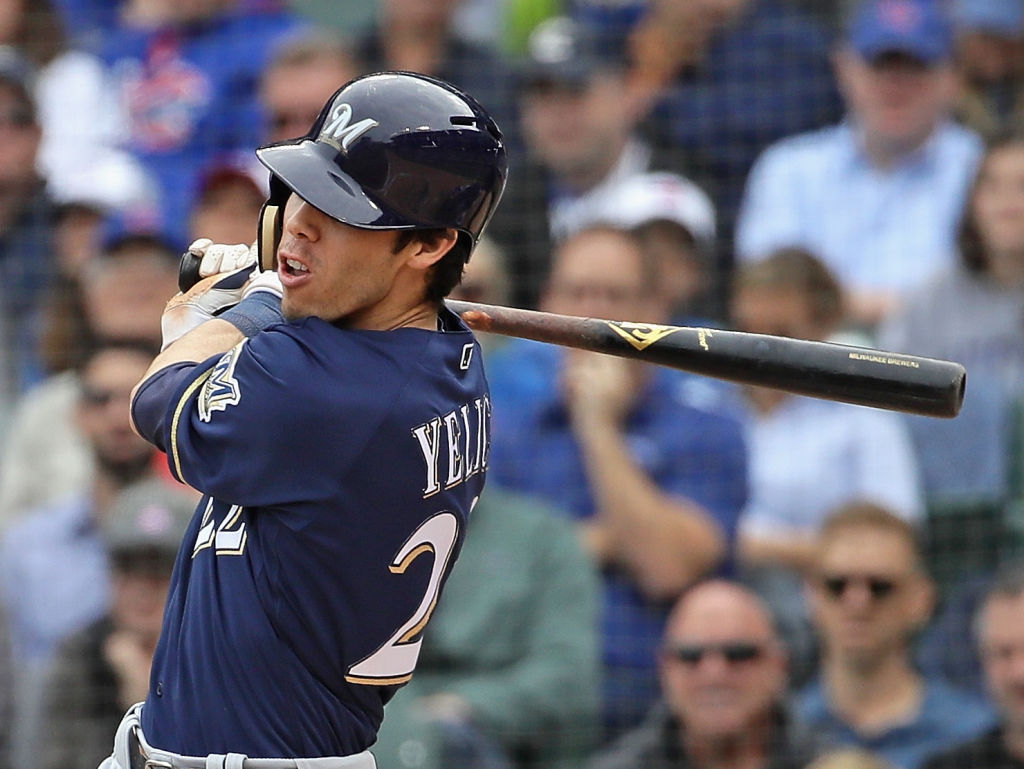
(308,169)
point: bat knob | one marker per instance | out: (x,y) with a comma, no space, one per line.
(188,271)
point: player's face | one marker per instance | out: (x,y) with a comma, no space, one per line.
(998,201)
(1002,653)
(337,272)
(721,668)
(867,596)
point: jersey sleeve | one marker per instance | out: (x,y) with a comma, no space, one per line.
(234,428)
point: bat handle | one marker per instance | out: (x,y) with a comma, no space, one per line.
(188,271)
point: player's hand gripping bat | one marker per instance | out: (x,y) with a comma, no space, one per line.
(826,370)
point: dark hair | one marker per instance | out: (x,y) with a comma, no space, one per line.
(973,252)
(447,271)
(40,35)
(799,269)
(1007,583)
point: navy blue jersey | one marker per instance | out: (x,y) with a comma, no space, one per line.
(339,468)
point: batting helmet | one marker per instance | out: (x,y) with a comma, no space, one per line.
(391,151)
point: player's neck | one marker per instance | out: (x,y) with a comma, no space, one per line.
(388,315)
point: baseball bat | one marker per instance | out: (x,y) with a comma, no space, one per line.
(838,372)
(826,370)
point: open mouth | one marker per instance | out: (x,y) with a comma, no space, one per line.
(294,267)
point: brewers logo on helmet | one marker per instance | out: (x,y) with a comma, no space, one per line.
(391,150)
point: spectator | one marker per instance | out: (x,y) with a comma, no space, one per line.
(88,22)
(345,18)
(849,758)
(807,456)
(186,76)
(878,196)
(990,48)
(299,80)
(27,215)
(102,670)
(654,483)
(78,236)
(1000,637)
(45,455)
(510,666)
(419,36)
(673,218)
(971,313)
(79,156)
(228,203)
(6,693)
(724,79)
(53,563)
(581,145)
(723,678)
(869,594)
(485,279)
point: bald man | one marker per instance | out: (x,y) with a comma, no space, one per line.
(723,673)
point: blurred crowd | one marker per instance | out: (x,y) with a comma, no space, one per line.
(666,570)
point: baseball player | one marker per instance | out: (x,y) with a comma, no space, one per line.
(339,448)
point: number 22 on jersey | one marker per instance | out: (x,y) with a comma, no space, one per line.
(227,538)
(394,660)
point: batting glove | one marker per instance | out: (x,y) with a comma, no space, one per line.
(218,258)
(269,282)
(226,271)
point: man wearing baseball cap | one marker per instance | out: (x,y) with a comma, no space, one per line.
(674,219)
(102,669)
(581,144)
(878,196)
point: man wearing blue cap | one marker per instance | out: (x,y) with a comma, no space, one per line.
(878,196)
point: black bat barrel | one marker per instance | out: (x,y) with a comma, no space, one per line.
(826,370)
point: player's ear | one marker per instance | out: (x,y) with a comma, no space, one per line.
(429,246)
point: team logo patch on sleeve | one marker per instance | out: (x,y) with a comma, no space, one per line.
(221,388)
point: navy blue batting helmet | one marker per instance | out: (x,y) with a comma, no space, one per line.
(391,151)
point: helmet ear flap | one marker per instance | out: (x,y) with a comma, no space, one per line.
(269,235)
(271,222)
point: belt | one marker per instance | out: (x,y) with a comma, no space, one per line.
(136,755)
(141,756)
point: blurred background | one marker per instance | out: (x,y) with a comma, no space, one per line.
(666,570)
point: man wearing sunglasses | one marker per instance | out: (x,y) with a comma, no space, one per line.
(723,675)
(1000,636)
(869,596)
(54,573)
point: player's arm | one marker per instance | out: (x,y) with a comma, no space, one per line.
(245,303)
(213,337)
